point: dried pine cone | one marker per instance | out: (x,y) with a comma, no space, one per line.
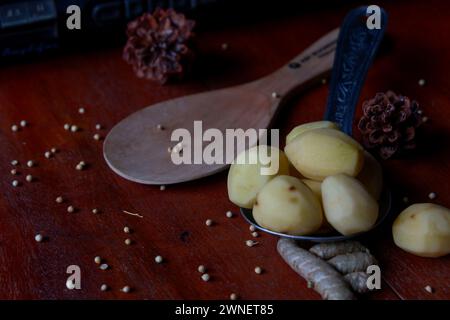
(157,45)
(389,123)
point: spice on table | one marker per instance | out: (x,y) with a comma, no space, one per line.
(162,188)
(38,237)
(421,82)
(209,222)
(70,284)
(30,163)
(233,296)
(15,183)
(255,234)
(70,209)
(14,128)
(80,166)
(103,287)
(95,211)
(67,126)
(53,150)
(126,229)
(258,270)
(98,126)
(251,243)
(98,260)
(275,95)
(47,154)
(429,289)
(14,162)
(23,123)
(432,195)
(73,128)
(104,266)
(201,268)
(224,46)
(13,172)
(81,110)
(158,259)
(206,277)
(59,199)
(425,119)
(229,214)
(96,137)
(127,241)
(29,178)
(126,289)
(252,228)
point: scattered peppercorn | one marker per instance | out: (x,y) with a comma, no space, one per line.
(201,268)
(206,277)
(258,270)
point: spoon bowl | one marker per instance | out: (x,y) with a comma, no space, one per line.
(384,210)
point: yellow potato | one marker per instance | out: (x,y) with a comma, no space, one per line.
(320,153)
(371,175)
(316,188)
(309,126)
(423,229)
(348,206)
(245,178)
(287,205)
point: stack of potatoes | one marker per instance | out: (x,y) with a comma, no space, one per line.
(325,181)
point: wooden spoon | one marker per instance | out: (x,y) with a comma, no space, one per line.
(137,149)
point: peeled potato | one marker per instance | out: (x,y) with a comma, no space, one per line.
(287,205)
(245,178)
(316,188)
(371,175)
(320,153)
(309,126)
(348,206)
(423,229)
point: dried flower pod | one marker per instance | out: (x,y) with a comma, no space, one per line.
(389,123)
(157,45)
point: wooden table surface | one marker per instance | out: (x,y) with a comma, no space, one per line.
(48,93)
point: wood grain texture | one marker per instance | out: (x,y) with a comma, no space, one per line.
(48,93)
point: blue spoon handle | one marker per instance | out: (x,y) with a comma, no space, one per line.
(356,48)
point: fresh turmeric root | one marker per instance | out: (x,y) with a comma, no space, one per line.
(358,281)
(326,280)
(352,262)
(330,250)
(331,278)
